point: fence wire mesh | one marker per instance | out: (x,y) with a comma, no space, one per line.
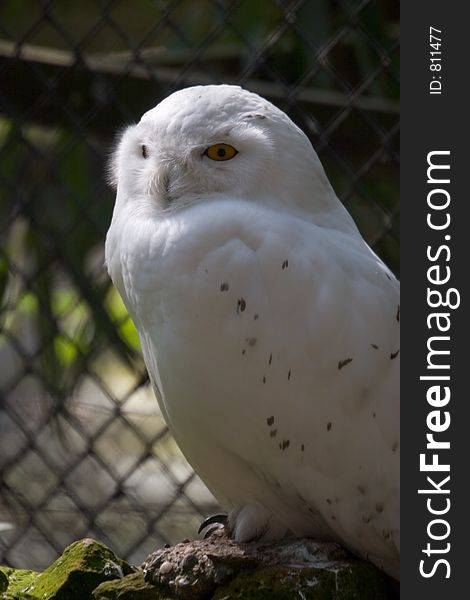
(84,450)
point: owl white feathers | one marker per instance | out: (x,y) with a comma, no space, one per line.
(269,328)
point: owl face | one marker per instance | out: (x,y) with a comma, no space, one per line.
(206,141)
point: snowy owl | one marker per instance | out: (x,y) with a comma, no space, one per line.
(269,328)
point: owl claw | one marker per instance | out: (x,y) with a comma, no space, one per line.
(212,523)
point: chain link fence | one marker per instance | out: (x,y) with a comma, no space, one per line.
(84,450)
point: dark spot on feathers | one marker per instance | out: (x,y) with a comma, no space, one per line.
(302,447)
(361,489)
(288,375)
(373,415)
(273,432)
(270,359)
(251,341)
(241,305)
(264,379)
(328,500)
(375,346)
(328,426)
(284,444)
(270,420)
(256,317)
(398,313)
(395,447)
(333,517)
(379,507)
(366,519)
(255,116)
(243,351)
(394,354)
(343,363)
(224,287)
(285,264)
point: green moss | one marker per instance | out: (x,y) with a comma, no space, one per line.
(132,587)
(271,583)
(19,582)
(3,581)
(73,576)
(360,582)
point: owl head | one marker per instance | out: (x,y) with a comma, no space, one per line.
(216,141)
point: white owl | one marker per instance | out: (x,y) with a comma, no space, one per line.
(269,328)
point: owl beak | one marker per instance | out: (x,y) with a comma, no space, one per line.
(159,186)
(167,182)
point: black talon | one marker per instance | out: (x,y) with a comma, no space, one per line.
(212,528)
(219,519)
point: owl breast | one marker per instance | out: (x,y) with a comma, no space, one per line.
(270,341)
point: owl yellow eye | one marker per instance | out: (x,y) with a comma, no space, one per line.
(221,152)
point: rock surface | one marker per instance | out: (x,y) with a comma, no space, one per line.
(212,569)
(73,576)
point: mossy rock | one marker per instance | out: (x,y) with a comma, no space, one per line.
(219,569)
(73,576)
(284,583)
(19,581)
(132,587)
(212,569)
(3,581)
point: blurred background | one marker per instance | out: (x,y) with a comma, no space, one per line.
(83,448)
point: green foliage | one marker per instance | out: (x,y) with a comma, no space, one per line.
(51,265)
